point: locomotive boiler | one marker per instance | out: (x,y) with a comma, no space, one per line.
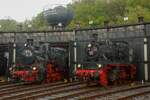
(105,61)
(38,63)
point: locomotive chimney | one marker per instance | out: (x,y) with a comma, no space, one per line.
(141,19)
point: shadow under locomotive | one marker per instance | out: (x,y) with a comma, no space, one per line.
(40,62)
(105,61)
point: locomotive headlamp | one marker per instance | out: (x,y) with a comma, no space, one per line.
(89,45)
(10,69)
(79,65)
(99,65)
(25,44)
(34,68)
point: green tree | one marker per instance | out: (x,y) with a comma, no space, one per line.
(84,12)
(26,24)
(8,25)
(113,10)
(39,22)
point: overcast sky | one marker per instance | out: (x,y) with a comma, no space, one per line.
(25,9)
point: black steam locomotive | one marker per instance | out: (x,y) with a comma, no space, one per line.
(39,63)
(105,61)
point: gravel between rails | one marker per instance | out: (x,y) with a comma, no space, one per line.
(35,91)
(26,88)
(10,85)
(71,93)
(135,93)
(116,96)
(74,91)
(4,83)
(54,91)
(141,97)
(115,93)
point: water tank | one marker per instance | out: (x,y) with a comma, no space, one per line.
(58,16)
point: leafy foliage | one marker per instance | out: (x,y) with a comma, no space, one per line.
(113,10)
(88,13)
(8,25)
(39,22)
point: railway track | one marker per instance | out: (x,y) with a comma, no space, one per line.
(64,95)
(3,83)
(140,96)
(121,93)
(83,95)
(72,91)
(37,91)
(97,93)
(9,85)
(21,88)
(137,95)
